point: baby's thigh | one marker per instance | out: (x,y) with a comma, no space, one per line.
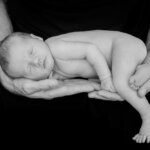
(124,64)
(122,69)
(128,53)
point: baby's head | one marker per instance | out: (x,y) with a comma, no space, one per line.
(24,55)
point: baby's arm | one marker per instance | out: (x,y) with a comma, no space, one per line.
(84,50)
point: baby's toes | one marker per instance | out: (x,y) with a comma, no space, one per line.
(132,80)
(134,87)
(132,83)
(148,139)
(143,139)
(142,74)
(137,138)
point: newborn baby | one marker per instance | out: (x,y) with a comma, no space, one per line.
(111,56)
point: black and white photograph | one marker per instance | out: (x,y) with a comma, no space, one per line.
(76,71)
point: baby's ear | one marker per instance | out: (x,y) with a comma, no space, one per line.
(36,37)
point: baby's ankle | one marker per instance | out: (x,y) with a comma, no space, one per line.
(146,115)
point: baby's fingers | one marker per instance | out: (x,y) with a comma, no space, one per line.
(144,89)
(96,95)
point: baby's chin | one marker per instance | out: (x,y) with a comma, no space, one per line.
(49,65)
(47,74)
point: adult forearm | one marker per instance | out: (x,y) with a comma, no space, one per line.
(5,23)
(147,60)
(148,39)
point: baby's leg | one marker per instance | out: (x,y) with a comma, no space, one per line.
(124,62)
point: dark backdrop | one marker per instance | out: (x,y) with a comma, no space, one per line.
(75,115)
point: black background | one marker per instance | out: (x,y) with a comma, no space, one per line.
(74,118)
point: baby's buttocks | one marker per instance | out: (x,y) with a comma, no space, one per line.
(75,68)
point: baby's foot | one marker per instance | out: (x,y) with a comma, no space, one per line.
(141,138)
(144,135)
(107,85)
(140,77)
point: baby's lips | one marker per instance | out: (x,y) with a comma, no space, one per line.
(47,63)
(44,63)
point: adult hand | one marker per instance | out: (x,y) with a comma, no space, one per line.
(66,88)
(104,95)
(144,89)
(53,89)
(47,89)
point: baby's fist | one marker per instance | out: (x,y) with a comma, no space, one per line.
(107,85)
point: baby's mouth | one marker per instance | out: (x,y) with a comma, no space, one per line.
(44,63)
(47,64)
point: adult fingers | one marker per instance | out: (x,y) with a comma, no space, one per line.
(62,91)
(106,95)
(144,89)
(6,81)
(110,95)
(95,95)
(48,94)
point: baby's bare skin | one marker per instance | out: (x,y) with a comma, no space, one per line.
(110,56)
(120,54)
(138,79)
(142,72)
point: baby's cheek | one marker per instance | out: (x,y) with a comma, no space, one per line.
(38,75)
(45,73)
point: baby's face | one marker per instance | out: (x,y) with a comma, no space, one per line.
(31,59)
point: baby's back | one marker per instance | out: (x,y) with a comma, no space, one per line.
(103,39)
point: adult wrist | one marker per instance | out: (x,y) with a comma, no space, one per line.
(148,46)
(5,31)
(5,22)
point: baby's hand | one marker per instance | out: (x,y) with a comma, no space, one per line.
(107,85)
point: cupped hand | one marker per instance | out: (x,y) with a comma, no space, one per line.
(47,89)
(66,88)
